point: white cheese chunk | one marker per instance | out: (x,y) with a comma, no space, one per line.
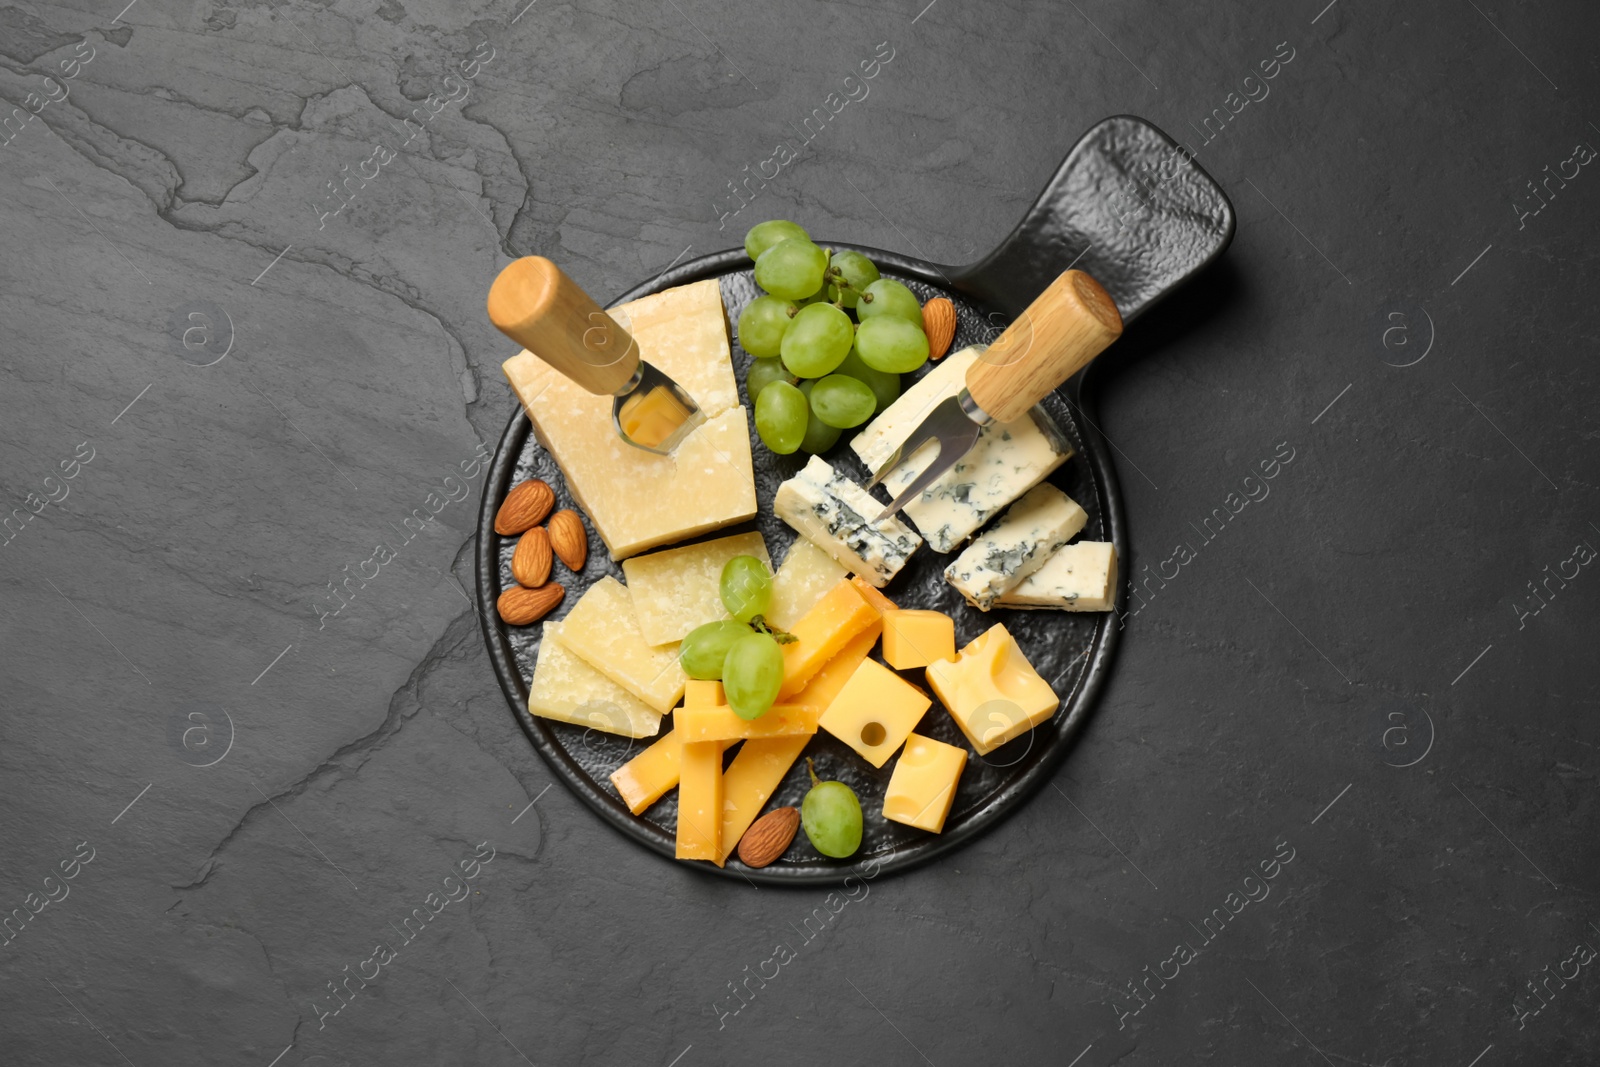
(1079,577)
(833,513)
(1007,460)
(1027,535)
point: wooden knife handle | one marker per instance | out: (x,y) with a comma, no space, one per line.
(1065,327)
(536,305)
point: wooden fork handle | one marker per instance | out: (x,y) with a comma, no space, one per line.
(534,303)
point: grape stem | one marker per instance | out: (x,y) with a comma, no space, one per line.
(783,637)
(812,767)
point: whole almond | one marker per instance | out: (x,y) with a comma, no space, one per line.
(524,507)
(769,837)
(569,539)
(519,606)
(530,563)
(939,323)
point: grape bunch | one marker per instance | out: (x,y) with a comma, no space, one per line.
(743,652)
(829,336)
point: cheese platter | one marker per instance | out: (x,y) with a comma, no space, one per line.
(746,660)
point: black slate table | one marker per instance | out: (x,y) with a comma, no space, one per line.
(1337,805)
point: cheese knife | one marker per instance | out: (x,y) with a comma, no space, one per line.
(1065,327)
(534,303)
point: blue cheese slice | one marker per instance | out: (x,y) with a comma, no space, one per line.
(1007,460)
(831,512)
(1018,545)
(1079,577)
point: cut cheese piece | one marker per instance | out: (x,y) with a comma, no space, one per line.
(992,691)
(1007,460)
(923,784)
(819,635)
(1078,577)
(648,777)
(750,781)
(875,712)
(806,575)
(917,638)
(723,724)
(676,590)
(826,683)
(638,500)
(567,689)
(699,693)
(831,511)
(872,595)
(602,628)
(700,801)
(1019,544)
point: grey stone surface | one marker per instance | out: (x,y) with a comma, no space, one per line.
(1353,669)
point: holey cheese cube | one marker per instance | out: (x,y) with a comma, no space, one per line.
(602,628)
(565,688)
(923,784)
(1079,577)
(1007,460)
(678,589)
(834,513)
(875,712)
(992,691)
(638,500)
(1019,544)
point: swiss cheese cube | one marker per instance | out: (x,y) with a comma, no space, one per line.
(749,782)
(1079,577)
(638,500)
(566,688)
(875,712)
(678,589)
(837,618)
(603,629)
(804,578)
(992,691)
(923,784)
(916,638)
(702,723)
(700,801)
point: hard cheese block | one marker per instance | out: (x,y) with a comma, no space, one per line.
(567,689)
(1007,460)
(723,724)
(1019,544)
(917,637)
(1078,577)
(700,801)
(992,691)
(676,590)
(826,683)
(835,513)
(602,628)
(822,632)
(875,711)
(749,782)
(648,777)
(638,500)
(804,578)
(923,784)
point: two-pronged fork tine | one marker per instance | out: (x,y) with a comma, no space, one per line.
(951,433)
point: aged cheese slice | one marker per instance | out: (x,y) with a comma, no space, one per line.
(822,632)
(923,784)
(1079,577)
(638,500)
(1007,460)
(1019,544)
(838,516)
(700,801)
(749,782)
(569,690)
(602,628)
(875,712)
(805,577)
(678,589)
(826,683)
(723,724)
(992,691)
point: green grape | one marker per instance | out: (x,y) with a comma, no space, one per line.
(746,587)
(763,235)
(857,270)
(792,269)
(818,340)
(885,387)
(762,325)
(752,674)
(704,651)
(763,372)
(891,344)
(781,413)
(831,815)
(819,435)
(887,297)
(842,401)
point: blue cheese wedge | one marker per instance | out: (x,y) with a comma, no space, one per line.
(1079,577)
(831,512)
(1007,460)
(1030,532)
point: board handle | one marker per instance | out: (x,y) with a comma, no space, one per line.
(534,303)
(1065,327)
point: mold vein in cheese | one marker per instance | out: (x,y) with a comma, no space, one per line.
(831,511)
(1078,577)
(1019,544)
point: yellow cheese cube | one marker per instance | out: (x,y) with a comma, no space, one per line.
(924,783)
(875,711)
(699,801)
(567,689)
(805,578)
(703,723)
(916,638)
(826,683)
(676,590)
(838,617)
(992,691)
(750,780)
(602,628)
(647,777)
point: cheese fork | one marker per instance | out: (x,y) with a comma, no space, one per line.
(1065,327)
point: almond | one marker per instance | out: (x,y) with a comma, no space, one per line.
(530,563)
(769,837)
(569,539)
(519,606)
(939,323)
(524,507)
